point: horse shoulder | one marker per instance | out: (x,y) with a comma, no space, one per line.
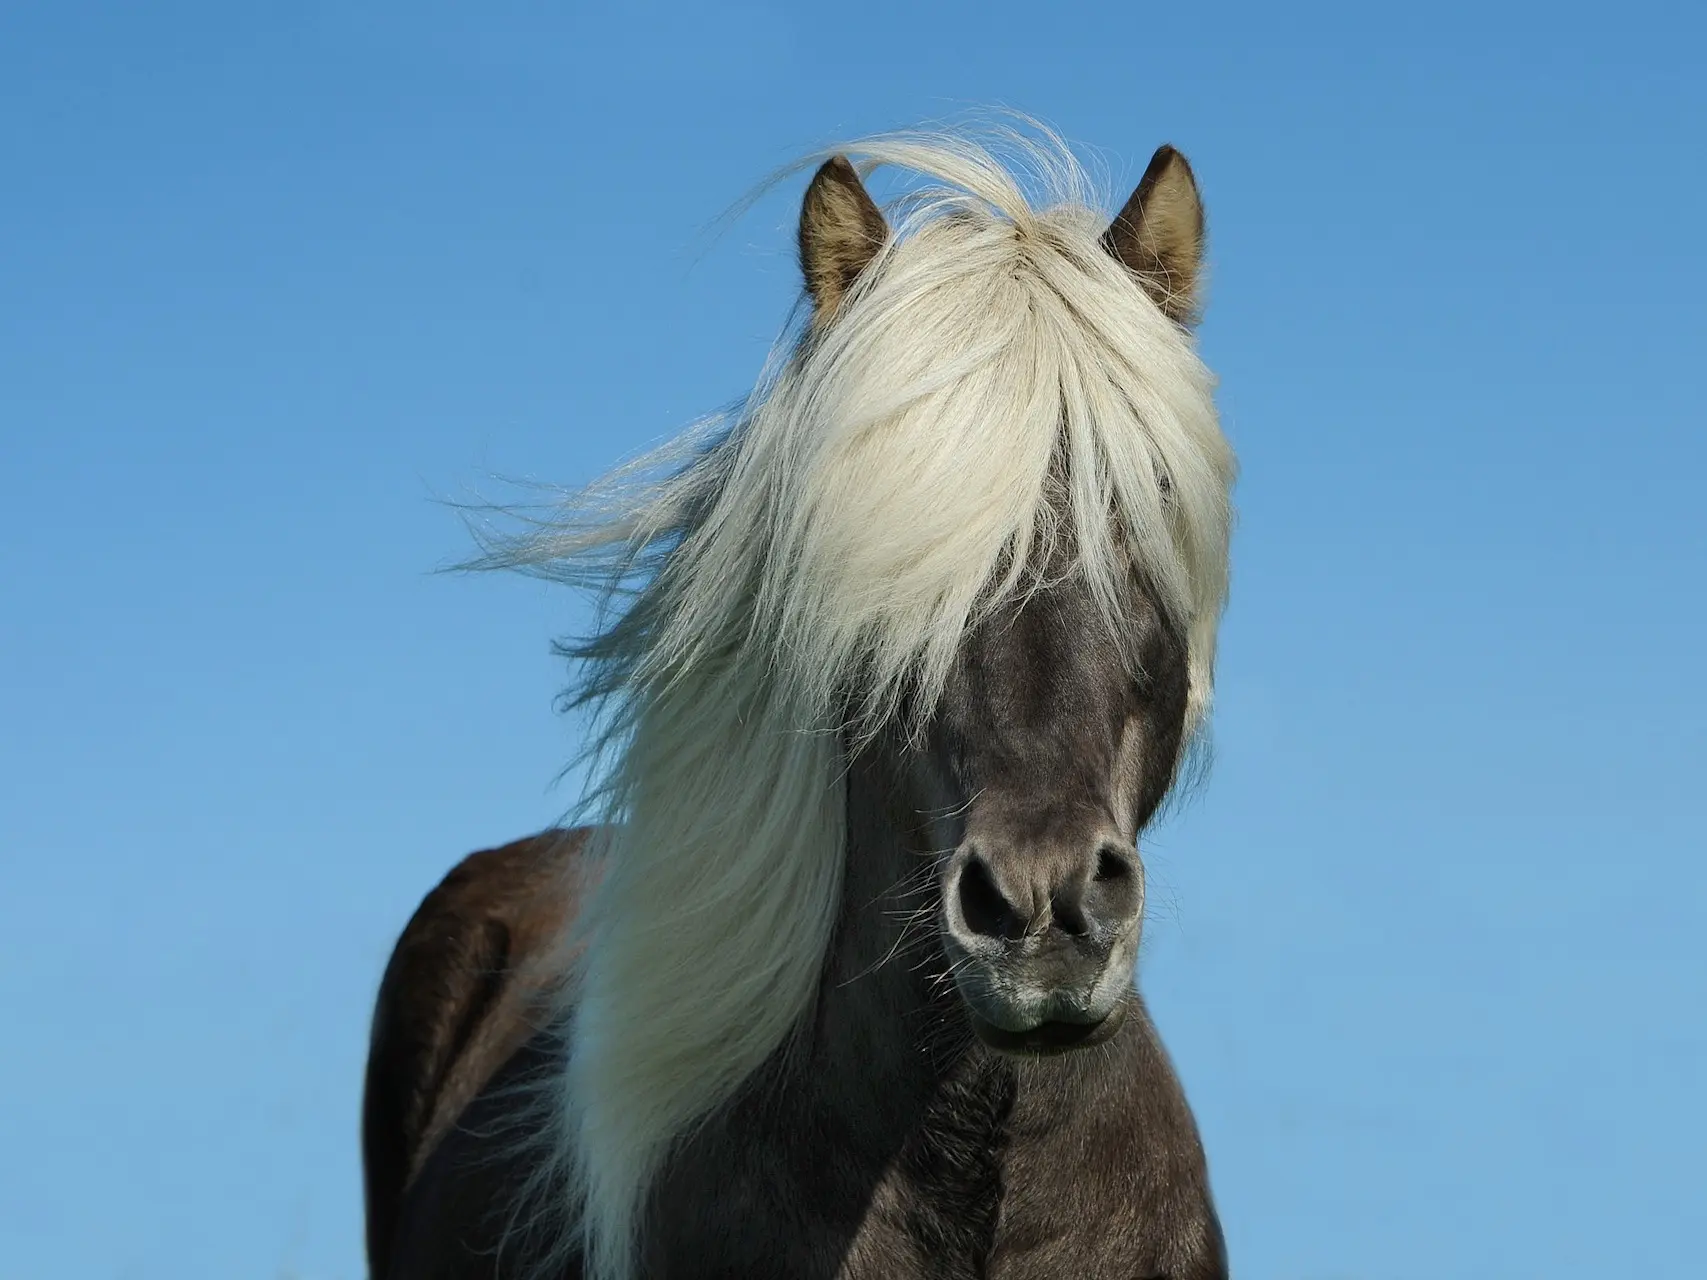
(467,985)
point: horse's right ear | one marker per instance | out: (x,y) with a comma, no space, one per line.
(841,231)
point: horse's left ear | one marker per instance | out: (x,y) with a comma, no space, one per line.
(1159,235)
(841,231)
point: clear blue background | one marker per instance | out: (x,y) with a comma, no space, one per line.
(275,277)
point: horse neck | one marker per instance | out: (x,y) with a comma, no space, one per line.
(888,1028)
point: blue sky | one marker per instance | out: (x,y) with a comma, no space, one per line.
(274,278)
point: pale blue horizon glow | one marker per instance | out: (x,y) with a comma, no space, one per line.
(1427,946)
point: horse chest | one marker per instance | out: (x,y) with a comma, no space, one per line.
(936,1209)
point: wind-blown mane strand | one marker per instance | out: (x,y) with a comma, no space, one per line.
(779,578)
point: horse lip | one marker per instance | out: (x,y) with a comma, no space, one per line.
(1049,1037)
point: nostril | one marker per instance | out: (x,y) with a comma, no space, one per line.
(982,906)
(1112,865)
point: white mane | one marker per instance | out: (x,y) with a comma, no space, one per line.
(889,480)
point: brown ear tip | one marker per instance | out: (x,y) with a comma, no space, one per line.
(838,168)
(1168,157)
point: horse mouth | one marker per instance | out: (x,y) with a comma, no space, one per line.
(1047,1038)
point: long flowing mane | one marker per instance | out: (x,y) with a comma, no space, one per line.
(788,577)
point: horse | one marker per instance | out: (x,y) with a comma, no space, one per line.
(895,662)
